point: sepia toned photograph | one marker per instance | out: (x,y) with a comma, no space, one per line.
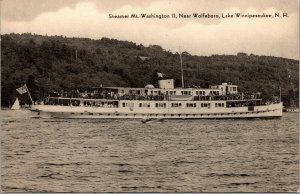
(149,96)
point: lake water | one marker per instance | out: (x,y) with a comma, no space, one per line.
(92,155)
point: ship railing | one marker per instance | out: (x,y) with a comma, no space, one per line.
(112,103)
(134,96)
(153,97)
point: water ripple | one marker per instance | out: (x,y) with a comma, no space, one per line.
(118,155)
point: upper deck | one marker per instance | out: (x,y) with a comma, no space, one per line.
(166,91)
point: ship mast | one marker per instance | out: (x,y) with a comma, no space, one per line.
(182,83)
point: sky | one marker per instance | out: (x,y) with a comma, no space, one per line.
(277,36)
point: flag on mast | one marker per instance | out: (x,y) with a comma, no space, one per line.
(22,90)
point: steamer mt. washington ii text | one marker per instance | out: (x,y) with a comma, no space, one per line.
(197,15)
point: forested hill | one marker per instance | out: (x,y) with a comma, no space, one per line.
(55,63)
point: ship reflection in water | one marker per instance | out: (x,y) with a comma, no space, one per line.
(120,155)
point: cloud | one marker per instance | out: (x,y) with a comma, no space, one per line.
(278,37)
(27,10)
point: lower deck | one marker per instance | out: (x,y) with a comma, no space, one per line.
(272,110)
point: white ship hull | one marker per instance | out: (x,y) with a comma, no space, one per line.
(56,111)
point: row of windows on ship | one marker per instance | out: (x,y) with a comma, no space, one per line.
(173,105)
(157,95)
(114,104)
(111,93)
(117,92)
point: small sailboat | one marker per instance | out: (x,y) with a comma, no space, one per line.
(16,105)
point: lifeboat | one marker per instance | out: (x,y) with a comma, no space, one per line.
(180,97)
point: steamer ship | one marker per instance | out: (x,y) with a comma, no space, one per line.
(166,101)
